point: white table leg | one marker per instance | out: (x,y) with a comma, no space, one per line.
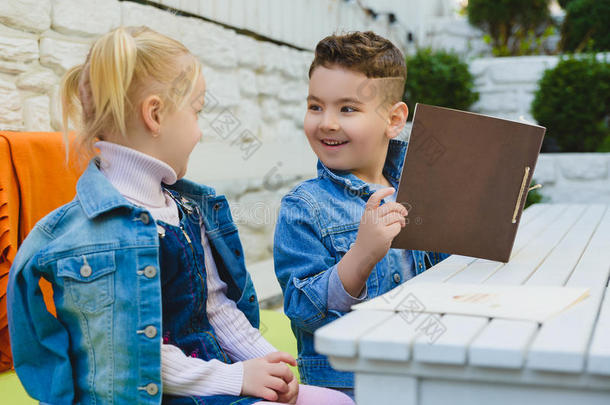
(376,389)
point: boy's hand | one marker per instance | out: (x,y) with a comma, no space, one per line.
(379,226)
(268,377)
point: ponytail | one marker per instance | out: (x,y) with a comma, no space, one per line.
(100,95)
(113,60)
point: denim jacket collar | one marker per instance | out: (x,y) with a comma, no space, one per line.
(97,195)
(392,170)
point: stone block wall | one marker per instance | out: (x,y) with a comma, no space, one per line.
(574,177)
(253,148)
(507,85)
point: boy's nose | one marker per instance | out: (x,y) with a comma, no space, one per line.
(329,123)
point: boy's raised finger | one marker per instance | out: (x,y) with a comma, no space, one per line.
(375,199)
(392,207)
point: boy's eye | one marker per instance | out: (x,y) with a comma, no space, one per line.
(348,109)
(314,107)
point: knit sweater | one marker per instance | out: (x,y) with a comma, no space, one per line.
(139,178)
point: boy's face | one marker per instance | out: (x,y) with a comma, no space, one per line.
(346,121)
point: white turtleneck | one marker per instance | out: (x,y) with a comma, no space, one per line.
(139,177)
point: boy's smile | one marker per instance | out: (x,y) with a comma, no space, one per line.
(346,122)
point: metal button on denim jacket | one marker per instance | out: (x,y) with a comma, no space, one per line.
(101,255)
(317,224)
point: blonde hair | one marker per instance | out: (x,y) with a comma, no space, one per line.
(124,66)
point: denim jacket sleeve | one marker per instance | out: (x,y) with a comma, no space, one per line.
(36,334)
(303,264)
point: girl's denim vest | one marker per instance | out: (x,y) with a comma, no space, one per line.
(184,287)
(317,224)
(102,256)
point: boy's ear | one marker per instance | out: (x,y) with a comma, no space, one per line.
(397,118)
(151,114)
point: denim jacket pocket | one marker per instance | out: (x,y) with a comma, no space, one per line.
(89,280)
(343,239)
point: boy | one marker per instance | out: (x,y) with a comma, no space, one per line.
(333,236)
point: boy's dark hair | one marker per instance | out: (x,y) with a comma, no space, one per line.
(367,53)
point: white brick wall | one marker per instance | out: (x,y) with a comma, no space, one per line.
(298,22)
(574,177)
(27,15)
(507,85)
(258,85)
(259,89)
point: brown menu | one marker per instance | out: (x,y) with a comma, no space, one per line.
(465,181)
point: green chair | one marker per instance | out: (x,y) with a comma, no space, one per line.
(12,390)
(275,327)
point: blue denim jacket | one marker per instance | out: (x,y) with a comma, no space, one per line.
(101,254)
(317,224)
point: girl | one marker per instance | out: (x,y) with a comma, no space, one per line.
(153,299)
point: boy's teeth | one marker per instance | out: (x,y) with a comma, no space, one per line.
(332,142)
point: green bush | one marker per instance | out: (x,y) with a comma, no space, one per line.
(573,103)
(586,26)
(513,27)
(438,78)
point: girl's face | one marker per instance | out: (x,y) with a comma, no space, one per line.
(179,132)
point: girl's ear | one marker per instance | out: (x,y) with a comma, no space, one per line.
(397,118)
(151,114)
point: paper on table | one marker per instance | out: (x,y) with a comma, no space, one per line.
(534,303)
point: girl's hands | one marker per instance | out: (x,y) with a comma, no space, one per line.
(291,396)
(268,377)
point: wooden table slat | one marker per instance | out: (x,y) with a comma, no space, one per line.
(341,336)
(391,340)
(563,342)
(599,351)
(558,267)
(504,343)
(455,265)
(481,269)
(524,263)
(529,231)
(449,347)
(452,347)
(532,212)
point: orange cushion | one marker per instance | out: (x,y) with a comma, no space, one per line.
(34,180)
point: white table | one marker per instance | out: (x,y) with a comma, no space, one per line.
(415,358)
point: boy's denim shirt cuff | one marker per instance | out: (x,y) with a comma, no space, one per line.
(338,298)
(315,288)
